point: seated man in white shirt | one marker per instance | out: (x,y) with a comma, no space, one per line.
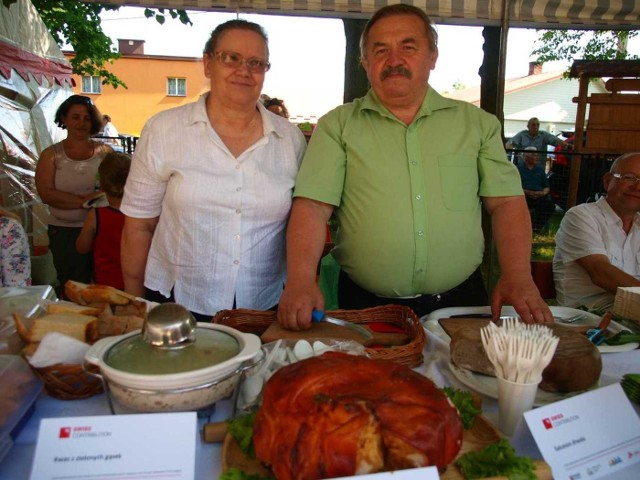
(598,244)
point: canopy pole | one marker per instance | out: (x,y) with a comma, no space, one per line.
(490,255)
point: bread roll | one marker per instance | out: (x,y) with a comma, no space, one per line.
(81,327)
(73,291)
(119,324)
(104,293)
(84,294)
(68,307)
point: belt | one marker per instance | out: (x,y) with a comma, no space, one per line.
(433,297)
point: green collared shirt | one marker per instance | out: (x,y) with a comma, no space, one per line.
(407,197)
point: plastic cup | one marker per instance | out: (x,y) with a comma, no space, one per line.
(513,400)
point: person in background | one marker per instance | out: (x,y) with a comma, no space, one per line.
(209,193)
(534,137)
(109,130)
(536,190)
(407,172)
(102,229)
(598,244)
(15,257)
(65,179)
(276,106)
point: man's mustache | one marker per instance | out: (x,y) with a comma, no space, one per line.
(395,70)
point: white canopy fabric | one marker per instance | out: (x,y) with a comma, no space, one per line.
(619,14)
(35,78)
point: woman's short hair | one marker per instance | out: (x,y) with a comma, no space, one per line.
(113,172)
(94,113)
(210,46)
(400,9)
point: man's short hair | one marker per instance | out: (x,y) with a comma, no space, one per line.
(534,149)
(400,9)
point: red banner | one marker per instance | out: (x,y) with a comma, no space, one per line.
(25,63)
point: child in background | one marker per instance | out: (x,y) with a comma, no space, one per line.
(102,228)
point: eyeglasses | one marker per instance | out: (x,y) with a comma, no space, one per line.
(627,177)
(235,60)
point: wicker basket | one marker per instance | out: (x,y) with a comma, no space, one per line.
(68,382)
(257,321)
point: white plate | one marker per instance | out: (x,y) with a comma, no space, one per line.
(431,322)
(489,386)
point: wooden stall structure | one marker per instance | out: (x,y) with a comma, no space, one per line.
(613,124)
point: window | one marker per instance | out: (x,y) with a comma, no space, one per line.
(91,84)
(177,87)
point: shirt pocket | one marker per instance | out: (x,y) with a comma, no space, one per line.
(459,181)
(615,256)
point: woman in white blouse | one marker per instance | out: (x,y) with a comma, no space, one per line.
(209,192)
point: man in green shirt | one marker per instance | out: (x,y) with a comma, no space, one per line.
(406,172)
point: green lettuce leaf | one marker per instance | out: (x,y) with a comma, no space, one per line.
(241,429)
(496,459)
(464,403)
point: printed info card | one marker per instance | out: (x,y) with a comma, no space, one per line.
(587,436)
(158,445)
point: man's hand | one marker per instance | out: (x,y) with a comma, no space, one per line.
(512,232)
(306,235)
(522,293)
(296,304)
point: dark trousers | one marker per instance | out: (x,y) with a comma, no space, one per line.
(70,265)
(540,209)
(470,293)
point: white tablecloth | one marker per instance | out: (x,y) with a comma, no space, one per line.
(17,464)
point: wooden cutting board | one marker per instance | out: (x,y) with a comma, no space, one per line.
(452,325)
(328,330)
(476,438)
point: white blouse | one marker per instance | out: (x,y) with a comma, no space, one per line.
(221,231)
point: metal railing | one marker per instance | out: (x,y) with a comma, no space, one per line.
(559,164)
(122,143)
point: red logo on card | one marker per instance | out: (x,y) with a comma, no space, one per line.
(547,423)
(65,432)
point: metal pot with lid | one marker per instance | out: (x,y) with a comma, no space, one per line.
(174,363)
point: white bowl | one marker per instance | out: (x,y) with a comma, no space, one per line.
(190,390)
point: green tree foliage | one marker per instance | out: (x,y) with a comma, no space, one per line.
(78,24)
(458,85)
(570,45)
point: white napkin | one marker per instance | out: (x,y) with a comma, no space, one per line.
(58,348)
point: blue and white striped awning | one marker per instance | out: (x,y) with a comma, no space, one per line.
(623,14)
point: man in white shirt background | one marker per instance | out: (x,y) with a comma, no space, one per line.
(598,244)
(109,131)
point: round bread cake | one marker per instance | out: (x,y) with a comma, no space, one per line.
(341,415)
(575,366)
